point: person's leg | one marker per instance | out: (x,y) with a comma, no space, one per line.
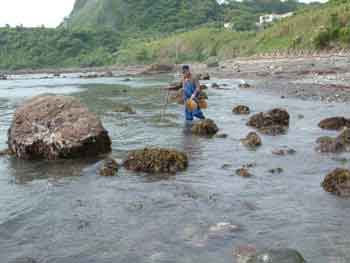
(199,114)
(188,115)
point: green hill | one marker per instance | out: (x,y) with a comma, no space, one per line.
(311,28)
(144,16)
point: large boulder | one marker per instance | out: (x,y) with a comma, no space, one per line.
(156,160)
(341,143)
(334,123)
(273,122)
(205,127)
(56,126)
(337,182)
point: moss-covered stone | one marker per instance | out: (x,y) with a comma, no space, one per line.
(156,160)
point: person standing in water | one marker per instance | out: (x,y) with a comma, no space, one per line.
(191,89)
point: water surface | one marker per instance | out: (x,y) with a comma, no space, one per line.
(64,212)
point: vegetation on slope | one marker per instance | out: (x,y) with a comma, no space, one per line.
(41,47)
(318,28)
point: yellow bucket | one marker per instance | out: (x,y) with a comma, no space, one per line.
(202,104)
(191,105)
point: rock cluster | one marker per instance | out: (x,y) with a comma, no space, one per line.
(252,140)
(241,109)
(205,127)
(341,143)
(56,126)
(273,122)
(334,123)
(156,160)
(159,68)
(337,182)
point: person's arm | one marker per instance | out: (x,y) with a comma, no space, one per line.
(197,90)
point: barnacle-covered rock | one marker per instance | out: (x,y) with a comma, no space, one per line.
(334,123)
(56,126)
(241,109)
(109,167)
(341,143)
(273,122)
(205,127)
(252,140)
(156,160)
(337,182)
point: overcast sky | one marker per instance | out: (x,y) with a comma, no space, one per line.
(37,12)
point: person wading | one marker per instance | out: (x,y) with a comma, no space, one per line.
(191,89)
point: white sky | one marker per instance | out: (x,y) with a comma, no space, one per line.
(39,12)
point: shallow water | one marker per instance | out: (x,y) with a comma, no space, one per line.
(64,212)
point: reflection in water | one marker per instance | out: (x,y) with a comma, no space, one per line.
(54,171)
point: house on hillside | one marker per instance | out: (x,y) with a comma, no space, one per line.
(267,19)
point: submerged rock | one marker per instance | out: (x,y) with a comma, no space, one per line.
(341,143)
(243,172)
(156,160)
(276,170)
(205,127)
(56,126)
(109,167)
(273,122)
(124,108)
(249,254)
(241,109)
(252,140)
(245,86)
(334,123)
(337,182)
(284,151)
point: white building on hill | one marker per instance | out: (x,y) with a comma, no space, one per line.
(266,19)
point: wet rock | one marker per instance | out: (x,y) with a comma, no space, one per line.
(241,109)
(276,171)
(202,95)
(203,76)
(205,127)
(273,130)
(127,79)
(177,97)
(245,86)
(245,254)
(273,122)
(159,68)
(243,172)
(334,123)
(3,77)
(6,152)
(252,140)
(284,151)
(109,167)
(203,87)
(107,74)
(156,160)
(56,126)
(221,136)
(124,108)
(341,143)
(301,116)
(215,86)
(175,86)
(337,182)
(222,228)
(249,254)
